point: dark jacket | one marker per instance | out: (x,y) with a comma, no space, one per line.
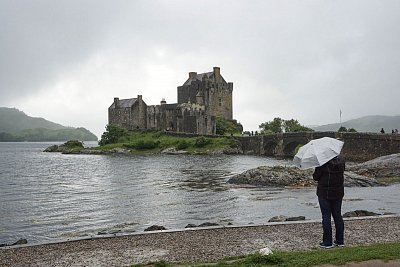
(330,179)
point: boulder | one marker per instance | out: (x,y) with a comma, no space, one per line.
(359,213)
(381,167)
(282,218)
(53,148)
(297,218)
(279,218)
(352,179)
(67,147)
(155,228)
(208,224)
(278,176)
(21,241)
(274,176)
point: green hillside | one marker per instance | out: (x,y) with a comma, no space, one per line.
(16,126)
(372,124)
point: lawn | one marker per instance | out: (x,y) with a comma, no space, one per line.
(336,256)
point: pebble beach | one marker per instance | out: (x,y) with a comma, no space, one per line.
(197,245)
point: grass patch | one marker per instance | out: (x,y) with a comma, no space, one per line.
(139,142)
(337,256)
(72,144)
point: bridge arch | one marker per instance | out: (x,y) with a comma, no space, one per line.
(270,147)
(289,149)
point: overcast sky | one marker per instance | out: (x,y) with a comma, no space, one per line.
(66,60)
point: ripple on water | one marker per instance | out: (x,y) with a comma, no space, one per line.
(49,196)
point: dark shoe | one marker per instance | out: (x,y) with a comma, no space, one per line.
(326,246)
(338,244)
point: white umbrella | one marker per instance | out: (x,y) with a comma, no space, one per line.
(317,152)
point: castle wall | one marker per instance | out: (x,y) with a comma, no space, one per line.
(219,100)
(189,92)
(140,108)
(162,117)
(130,118)
(120,116)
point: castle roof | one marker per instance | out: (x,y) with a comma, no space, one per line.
(199,77)
(124,103)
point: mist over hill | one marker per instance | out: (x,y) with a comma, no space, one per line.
(16,126)
(372,124)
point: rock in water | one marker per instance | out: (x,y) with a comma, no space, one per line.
(191,225)
(53,148)
(298,218)
(359,213)
(290,176)
(279,218)
(355,180)
(155,228)
(381,167)
(21,241)
(208,224)
(282,218)
(274,176)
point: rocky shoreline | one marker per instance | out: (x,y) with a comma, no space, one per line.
(124,151)
(198,244)
(278,176)
(371,173)
(279,218)
(382,167)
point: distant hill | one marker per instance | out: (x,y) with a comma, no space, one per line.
(16,126)
(372,124)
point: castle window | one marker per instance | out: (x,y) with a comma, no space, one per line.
(220,102)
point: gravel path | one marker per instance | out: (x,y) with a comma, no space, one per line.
(200,245)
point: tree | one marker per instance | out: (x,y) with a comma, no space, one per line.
(275,126)
(352,130)
(279,125)
(224,126)
(342,129)
(112,134)
(294,126)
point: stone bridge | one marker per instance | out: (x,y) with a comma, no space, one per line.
(357,146)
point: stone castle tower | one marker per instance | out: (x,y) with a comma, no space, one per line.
(209,89)
(201,99)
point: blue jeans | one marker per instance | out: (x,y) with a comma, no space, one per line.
(331,207)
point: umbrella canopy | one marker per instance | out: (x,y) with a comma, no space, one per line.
(317,152)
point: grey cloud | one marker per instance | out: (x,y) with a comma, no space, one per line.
(307,51)
(41,39)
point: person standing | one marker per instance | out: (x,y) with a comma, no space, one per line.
(330,192)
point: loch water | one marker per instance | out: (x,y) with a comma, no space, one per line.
(46,197)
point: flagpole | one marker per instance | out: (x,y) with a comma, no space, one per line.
(340,116)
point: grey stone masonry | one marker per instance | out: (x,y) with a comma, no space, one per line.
(201,99)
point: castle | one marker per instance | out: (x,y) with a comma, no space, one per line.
(201,99)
